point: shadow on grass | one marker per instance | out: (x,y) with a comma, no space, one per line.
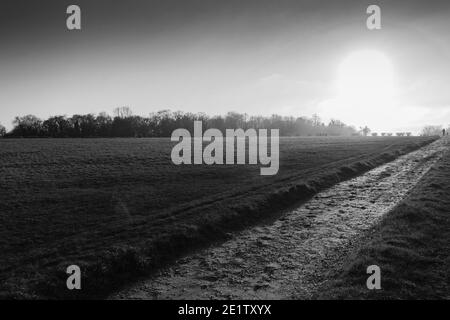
(411,245)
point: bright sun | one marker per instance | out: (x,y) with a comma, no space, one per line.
(366,78)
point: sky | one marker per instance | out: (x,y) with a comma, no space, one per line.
(260,57)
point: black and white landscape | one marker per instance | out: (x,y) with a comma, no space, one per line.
(206,149)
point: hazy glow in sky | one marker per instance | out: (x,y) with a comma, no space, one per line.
(366,91)
(260,57)
(366,77)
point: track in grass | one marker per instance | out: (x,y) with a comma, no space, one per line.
(289,258)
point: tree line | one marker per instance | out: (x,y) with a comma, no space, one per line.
(433,130)
(162,123)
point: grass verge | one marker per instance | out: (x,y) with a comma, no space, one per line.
(411,245)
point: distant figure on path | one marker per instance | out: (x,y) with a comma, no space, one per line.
(443,132)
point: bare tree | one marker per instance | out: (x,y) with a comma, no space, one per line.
(123,112)
(432,131)
(2,130)
(28,125)
(365,131)
(316,120)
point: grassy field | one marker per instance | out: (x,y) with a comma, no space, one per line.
(411,246)
(119,208)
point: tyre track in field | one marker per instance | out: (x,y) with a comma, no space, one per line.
(290,257)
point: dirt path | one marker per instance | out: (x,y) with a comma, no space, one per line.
(290,258)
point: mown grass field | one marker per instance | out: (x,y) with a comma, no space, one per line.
(119,208)
(411,246)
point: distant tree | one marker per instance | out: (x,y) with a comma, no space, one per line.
(336,123)
(58,126)
(83,125)
(432,131)
(338,128)
(140,127)
(27,126)
(2,130)
(123,112)
(122,127)
(365,131)
(316,120)
(163,122)
(103,125)
(219,123)
(234,120)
